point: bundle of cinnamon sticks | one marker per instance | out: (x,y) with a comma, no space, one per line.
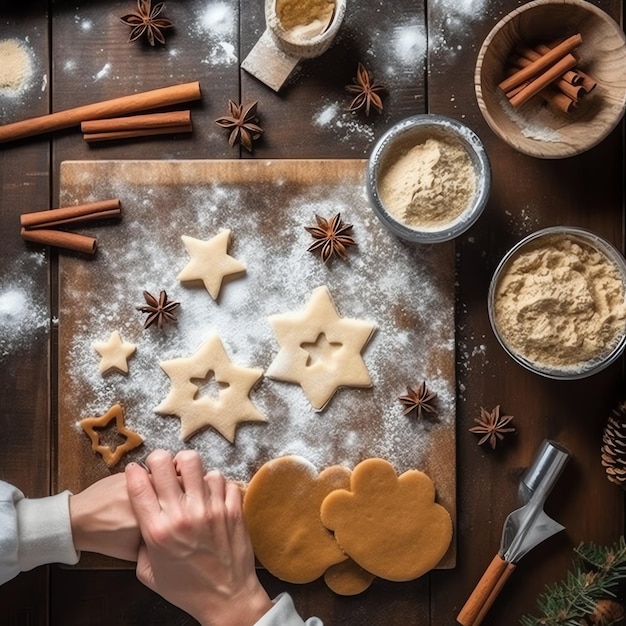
(42,226)
(549,71)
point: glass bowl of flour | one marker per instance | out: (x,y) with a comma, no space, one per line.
(557,303)
(428,178)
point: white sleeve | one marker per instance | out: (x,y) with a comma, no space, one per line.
(33,532)
(283,613)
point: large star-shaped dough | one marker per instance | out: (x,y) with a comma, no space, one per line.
(223,413)
(111,456)
(115,353)
(335,362)
(210,262)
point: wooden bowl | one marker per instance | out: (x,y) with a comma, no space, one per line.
(534,128)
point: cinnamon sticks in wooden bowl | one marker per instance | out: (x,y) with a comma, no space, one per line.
(550,78)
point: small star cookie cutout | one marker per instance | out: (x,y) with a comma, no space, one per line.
(210,262)
(319,350)
(115,353)
(111,456)
(196,411)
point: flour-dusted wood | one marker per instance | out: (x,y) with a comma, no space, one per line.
(266,205)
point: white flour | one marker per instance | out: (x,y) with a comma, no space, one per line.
(23,307)
(384,281)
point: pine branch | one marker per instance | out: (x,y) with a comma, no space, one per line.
(597,572)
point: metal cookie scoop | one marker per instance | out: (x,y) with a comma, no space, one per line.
(523,529)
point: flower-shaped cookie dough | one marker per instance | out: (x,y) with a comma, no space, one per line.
(210,262)
(115,353)
(390,525)
(282,513)
(92,426)
(319,350)
(195,411)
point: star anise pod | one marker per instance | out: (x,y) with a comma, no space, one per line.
(147,22)
(159,311)
(492,426)
(418,399)
(331,237)
(367,92)
(243,124)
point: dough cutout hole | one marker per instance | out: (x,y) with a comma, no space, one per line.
(320,351)
(208,386)
(110,437)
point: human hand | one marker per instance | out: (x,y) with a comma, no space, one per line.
(196,551)
(103,520)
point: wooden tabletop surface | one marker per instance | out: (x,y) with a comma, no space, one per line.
(425,54)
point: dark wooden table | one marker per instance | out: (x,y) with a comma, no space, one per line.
(425,53)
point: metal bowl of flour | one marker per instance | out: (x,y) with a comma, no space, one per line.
(428,178)
(557,303)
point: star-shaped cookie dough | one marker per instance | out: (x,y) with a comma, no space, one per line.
(319,350)
(195,411)
(210,262)
(111,456)
(115,353)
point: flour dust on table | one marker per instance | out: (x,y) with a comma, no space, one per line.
(24,317)
(266,205)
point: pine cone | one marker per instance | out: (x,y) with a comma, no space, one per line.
(614,446)
(606,612)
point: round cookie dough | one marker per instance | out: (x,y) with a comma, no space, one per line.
(347,578)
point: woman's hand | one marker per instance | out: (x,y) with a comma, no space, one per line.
(103,520)
(196,551)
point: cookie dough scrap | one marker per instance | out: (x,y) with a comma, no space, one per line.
(347,578)
(210,262)
(232,404)
(390,525)
(319,350)
(282,512)
(92,425)
(115,353)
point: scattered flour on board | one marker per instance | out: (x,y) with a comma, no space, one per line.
(280,278)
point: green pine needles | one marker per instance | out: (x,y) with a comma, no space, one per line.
(597,571)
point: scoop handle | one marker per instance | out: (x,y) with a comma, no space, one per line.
(485,592)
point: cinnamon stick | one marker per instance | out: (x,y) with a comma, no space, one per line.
(552,96)
(135,122)
(549,76)
(572,91)
(60,239)
(587,83)
(116,107)
(557,99)
(100,210)
(140,132)
(555,55)
(571,76)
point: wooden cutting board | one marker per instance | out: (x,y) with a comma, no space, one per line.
(405,289)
